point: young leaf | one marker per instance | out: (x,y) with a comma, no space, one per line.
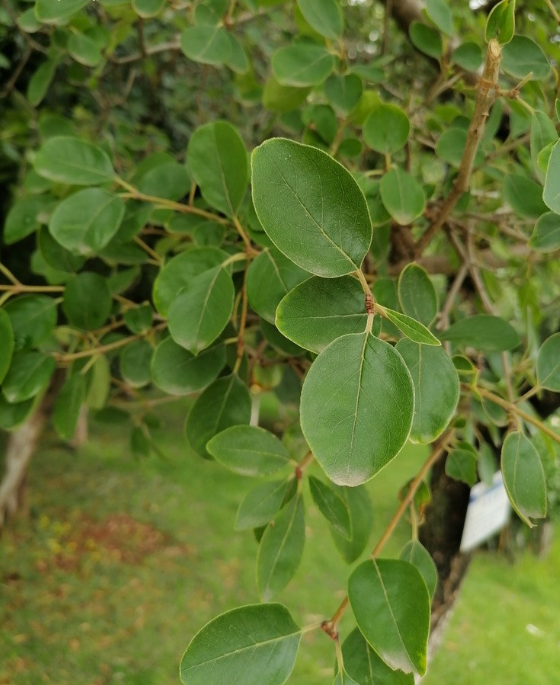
(436,389)
(28,375)
(500,24)
(417,555)
(269,278)
(366,667)
(87,301)
(257,643)
(386,129)
(546,234)
(249,451)
(6,343)
(280,549)
(417,294)
(357,405)
(177,371)
(261,504)
(217,160)
(548,363)
(524,477)
(551,194)
(310,207)
(33,318)
(483,332)
(391,604)
(202,310)
(85,222)
(331,505)
(320,310)
(65,159)
(68,404)
(402,196)
(411,328)
(301,65)
(225,403)
(461,465)
(325,16)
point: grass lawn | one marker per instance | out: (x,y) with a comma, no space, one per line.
(124,560)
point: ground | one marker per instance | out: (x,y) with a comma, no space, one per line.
(122,560)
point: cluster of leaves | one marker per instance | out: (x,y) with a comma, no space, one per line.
(393,295)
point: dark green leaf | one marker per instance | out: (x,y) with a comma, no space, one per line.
(331,505)
(426,39)
(417,295)
(73,161)
(461,465)
(206,44)
(386,129)
(6,343)
(261,504)
(360,511)
(87,301)
(33,319)
(135,361)
(28,375)
(365,666)
(417,555)
(178,372)
(343,92)
(402,196)
(68,404)
(548,363)
(483,332)
(249,450)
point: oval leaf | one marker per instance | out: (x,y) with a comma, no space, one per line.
(70,160)
(548,363)
(6,343)
(331,505)
(177,371)
(417,555)
(524,477)
(417,295)
(249,450)
(410,327)
(365,666)
(402,196)
(261,504)
(483,332)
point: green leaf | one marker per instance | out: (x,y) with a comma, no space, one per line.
(33,319)
(261,504)
(468,56)
(147,8)
(13,415)
(331,505)
(391,604)
(279,98)
(386,129)
(551,194)
(344,92)
(310,207)
(6,343)
(40,82)
(302,64)
(325,16)
(270,277)
(402,196)
(417,295)
(218,162)
(524,196)
(483,332)
(366,667)
(461,465)
(28,375)
(249,451)
(426,39)
(417,555)
(223,404)
(257,642)
(543,133)
(169,181)
(360,511)
(138,319)
(320,310)
(357,405)
(281,549)
(206,44)
(342,678)
(70,160)
(87,301)
(178,372)
(23,219)
(524,477)
(56,256)
(68,404)
(436,389)
(86,222)
(181,271)
(135,362)
(411,328)
(202,310)
(548,363)
(438,11)
(84,50)
(53,11)
(238,60)
(501,22)
(522,56)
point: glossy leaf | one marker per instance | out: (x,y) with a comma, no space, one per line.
(202,310)
(87,301)
(259,642)
(524,477)
(324,16)
(366,667)
(386,130)
(178,372)
(280,549)
(225,403)
(6,343)
(357,406)
(310,207)
(483,332)
(73,161)
(68,404)
(331,505)
(33,318)
(217,160)
(436,389)
(411,328)
(302,64)
(261,504)
(249,451)
(417,555)
(391,604)
(85,222)
(28,375)
(548,363)
(417,295)
(320,310)
(402,196)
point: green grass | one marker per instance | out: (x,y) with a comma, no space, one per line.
(123,561)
